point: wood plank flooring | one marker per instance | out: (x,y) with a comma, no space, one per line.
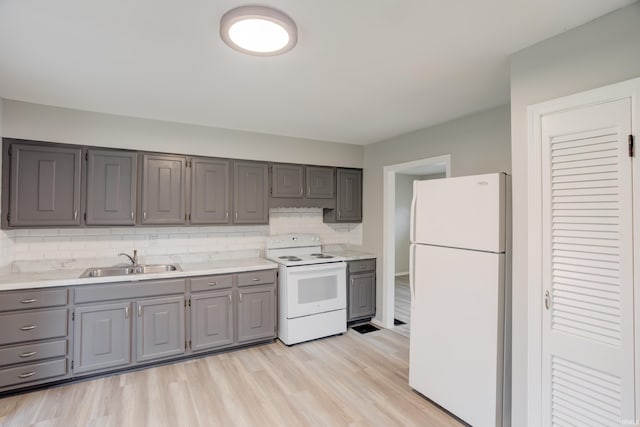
(402,305)
(348,380)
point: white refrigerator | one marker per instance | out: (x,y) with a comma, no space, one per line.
(459,292)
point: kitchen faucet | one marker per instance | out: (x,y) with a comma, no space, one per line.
(133,259)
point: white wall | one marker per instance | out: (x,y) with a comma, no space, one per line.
(479,143)
(44,123)
(38,122)
(404,194)
(602,52)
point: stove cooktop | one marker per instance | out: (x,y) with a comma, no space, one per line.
(297,249)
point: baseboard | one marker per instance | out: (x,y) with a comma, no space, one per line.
(377,323)
(402,274)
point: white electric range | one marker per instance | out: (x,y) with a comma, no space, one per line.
(312,288)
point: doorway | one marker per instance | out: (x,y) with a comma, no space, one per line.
(440,166)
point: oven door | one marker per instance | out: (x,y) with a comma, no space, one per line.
(316,288)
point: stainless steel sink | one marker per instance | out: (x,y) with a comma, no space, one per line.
(125,271)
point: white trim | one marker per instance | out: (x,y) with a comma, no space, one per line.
(388,233)
(629,88)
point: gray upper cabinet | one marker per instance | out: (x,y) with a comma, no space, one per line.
(160,328)
(250,193)
(111,187)
(320,182)
(44,185)
(163,189)
(348,197)
(287,180)
(210,191)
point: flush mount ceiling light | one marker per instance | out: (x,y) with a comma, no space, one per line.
(258,30)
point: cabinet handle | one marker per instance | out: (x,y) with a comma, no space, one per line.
(28,328)
(212,283)
(29,300)
(339,213)
(131,215)
(301,191)
(236,216)
(75,214)
(255,279)
(144,215)
(226,215)
(362,267)
(27,374)
(308,190)
(28,354)
(126,312)
(139,311)
(230,300)
(240,297)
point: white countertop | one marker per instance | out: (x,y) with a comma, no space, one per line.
(350,254)
(71,277)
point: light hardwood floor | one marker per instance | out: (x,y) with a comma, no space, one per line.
(348,380)
(402,305)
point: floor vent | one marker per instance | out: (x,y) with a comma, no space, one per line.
(365,329)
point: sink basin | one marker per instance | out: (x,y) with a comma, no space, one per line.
(125,271)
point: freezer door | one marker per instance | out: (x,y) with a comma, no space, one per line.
(456,346)
(463,212)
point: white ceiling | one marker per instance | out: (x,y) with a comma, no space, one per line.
(363,70)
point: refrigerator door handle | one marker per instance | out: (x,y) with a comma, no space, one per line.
(412,222)
(412,273)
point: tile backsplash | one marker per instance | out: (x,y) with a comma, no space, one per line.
(77,243)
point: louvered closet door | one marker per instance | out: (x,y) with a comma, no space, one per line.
(588,348)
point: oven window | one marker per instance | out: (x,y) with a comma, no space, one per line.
(314,289)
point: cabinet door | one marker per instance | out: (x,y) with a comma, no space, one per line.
(102,337)
(256,313)
(349,195)
(287,181)
(111,187)
(160,328)
(250,193)
(211,320)
(320,182)
(45,185)
(362,296)
(210,192)
(163,188)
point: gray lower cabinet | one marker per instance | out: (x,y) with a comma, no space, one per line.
(212,315)
(210,191)
(163,189)
(256,313)
(250,193)
(34,337)
(361,289)
(44,185)
(102,337)
(160,328)
(111,187)
(320,182)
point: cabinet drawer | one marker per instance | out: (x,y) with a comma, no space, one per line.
(208,283)
(33,372)
(32,352)
(33,325)
(129,290)
(256,277)
(32,299)
(362,265)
